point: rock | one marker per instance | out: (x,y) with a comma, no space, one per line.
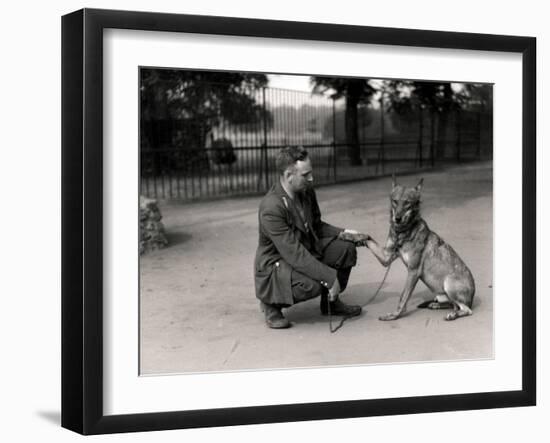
(151,229)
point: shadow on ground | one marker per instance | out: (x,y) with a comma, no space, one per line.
(177,238)
(53,417)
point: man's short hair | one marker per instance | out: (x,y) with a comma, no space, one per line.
(288,156)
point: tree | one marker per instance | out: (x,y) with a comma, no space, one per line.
(441,99)
(356,92)
(438,98)
(477,97)
(181,108)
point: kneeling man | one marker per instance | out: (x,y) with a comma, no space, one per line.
(299,256)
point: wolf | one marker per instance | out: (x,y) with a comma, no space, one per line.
(425,254)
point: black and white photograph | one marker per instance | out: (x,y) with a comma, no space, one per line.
(262,221)
(304,221)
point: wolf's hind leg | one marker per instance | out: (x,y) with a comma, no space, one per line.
(436,305)
(460,295)
(440,301)
(461,310)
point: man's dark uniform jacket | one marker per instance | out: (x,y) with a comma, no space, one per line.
(287,242)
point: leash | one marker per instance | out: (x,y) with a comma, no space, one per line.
(333,330)
(344,318)
(379,287)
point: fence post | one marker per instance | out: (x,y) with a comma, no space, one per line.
(458,140)
(478,153)
(420,148)
(155,174)
(264,150)
(432,141)
(381,156)
(334,138)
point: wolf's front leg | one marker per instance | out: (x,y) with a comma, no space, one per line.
(410,283)
(386,254)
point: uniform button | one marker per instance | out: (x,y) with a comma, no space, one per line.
(277,264)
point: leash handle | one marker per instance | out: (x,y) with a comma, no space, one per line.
(333,330)
(329,316)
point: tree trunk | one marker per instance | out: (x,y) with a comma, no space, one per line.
(153,133)
(458,135)
(352,124)
(443,122)
(432,137)
(381,154)
(442,125)
(420,146)
(160,104)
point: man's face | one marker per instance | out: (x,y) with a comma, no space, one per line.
(301,176)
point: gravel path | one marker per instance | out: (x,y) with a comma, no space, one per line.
(199,312)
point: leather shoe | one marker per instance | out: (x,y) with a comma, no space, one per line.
(274,317)
(338,307)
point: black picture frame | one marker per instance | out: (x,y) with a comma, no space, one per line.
(82,218)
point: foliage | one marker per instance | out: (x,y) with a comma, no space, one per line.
(356,91)
(440,99)
(223,152)
(404,96)
(181,108)
(184,94)
(359,89)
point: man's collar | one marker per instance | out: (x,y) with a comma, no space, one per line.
(279,190)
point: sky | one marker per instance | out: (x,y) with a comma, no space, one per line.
(294,82)
(299,83)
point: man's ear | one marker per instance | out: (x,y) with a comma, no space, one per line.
(418,187)
(288,174)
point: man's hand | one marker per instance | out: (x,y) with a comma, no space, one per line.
(353,236)
(351,231)
(334,291)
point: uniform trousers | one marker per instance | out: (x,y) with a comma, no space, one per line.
(338,254)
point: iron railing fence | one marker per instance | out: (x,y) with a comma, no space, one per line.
(209,156)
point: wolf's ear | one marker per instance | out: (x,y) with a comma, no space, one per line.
(393,182)
(418,187)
